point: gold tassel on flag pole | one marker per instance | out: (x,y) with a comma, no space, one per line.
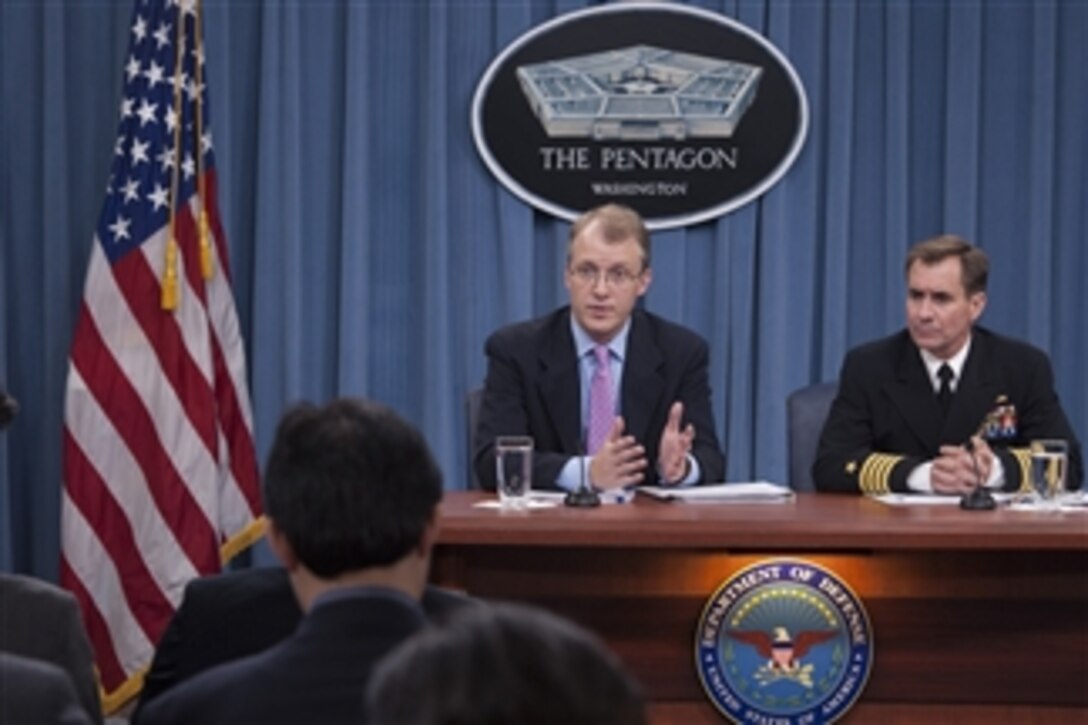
(170,276)
(171,287)
(207,262)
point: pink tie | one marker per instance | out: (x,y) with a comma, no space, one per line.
(601,408)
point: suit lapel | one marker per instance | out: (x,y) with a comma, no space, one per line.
(976,393)
(560,388)
(912,395)
(642,381)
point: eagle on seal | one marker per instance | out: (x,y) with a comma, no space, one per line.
(783,652)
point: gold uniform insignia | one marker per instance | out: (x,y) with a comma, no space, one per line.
(876,473)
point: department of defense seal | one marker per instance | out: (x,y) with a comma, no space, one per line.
(784,641)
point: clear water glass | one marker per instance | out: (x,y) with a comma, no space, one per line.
(1049,463)
(514,469)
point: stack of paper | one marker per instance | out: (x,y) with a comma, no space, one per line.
(930,499)
(756,492)
(551,499)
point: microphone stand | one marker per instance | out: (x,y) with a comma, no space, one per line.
(584,496)
(980,499)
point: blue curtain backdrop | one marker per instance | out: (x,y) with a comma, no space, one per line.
(373,252)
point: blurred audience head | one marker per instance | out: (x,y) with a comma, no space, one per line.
(503,663)
(349,486)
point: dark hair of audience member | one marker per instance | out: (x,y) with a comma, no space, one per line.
(332,467)
(501,664)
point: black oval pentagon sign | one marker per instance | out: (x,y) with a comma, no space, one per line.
(676,111)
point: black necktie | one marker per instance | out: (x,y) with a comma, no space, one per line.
(944,395)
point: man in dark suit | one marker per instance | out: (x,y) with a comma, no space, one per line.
(41,621)
(351,493)
(236,614)
(910,407)
(607,392)
(36,691)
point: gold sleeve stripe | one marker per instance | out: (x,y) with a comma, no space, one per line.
(865,476)
(876,472)
(1023,457)
(885,472)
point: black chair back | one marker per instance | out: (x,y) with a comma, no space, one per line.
(472,414)
(806,411)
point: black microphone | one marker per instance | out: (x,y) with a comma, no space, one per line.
(9,406)
(980,499)
(584,496)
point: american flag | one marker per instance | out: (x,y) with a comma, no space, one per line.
(160,472)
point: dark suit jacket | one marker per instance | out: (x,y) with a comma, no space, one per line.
(36,691)
(42,621)
(317,675)
(229,616)
(886,414)
(532,388)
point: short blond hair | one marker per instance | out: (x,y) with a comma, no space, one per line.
(618,223)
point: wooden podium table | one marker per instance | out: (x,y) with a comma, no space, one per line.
(976,616)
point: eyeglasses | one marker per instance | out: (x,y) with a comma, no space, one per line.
(588,275)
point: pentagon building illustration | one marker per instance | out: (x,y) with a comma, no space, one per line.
(640,93)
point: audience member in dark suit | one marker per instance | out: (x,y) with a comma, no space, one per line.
(37,692)
(229,616)
(351,493)
(221,618)
(896,425)
(504,664)
(42,621)
(600,377)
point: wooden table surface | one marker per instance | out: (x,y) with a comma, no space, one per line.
(809,522)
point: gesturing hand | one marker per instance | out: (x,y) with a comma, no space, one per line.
(620,460)
(672,452)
